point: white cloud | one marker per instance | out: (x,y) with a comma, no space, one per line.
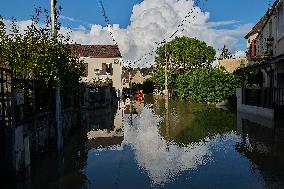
(66,18)
(239,54)
(152,21)
(222,23)
(163,161)
(71,19)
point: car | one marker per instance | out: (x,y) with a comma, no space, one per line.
(139,95)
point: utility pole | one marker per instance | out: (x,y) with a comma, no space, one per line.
(59,137)
(166,78)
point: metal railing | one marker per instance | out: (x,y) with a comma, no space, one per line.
(265,97)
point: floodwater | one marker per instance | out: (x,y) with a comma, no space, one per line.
(144,146)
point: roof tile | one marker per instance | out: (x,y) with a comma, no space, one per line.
(96,51)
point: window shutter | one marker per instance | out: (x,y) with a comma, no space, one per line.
(104,69)
(85,74)
(111,69)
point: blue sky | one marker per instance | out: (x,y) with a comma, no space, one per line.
(231,21)
(119,11)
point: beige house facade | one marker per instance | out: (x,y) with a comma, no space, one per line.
(101,63)
(232,64)
(101,69)
(133,75)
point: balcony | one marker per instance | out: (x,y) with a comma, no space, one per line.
(260,51)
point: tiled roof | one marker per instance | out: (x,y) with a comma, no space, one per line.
(257,28)
(262,22)
(96,51)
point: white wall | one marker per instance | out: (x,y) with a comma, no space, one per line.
(96,63)
(278,43)
(279,36)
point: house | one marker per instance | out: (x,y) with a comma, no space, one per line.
(265,51)
(107,131)
(232,64)
(133,75)
(101,62)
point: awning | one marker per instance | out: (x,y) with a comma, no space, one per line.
(252,67)
(276,60)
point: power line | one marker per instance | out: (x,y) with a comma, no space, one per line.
(191,11)
(179,27)
(107,20)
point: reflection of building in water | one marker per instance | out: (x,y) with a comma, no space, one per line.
(135,107)
(106,129)
(263,144)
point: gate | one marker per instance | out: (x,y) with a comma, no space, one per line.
(6,127)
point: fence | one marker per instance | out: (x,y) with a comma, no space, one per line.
(95,97)
(27,119)
(265,97)
(28,115)
(6,111)
(35,112)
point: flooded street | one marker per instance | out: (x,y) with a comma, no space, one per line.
(143,146)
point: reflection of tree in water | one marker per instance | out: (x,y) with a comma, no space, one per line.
(191,122)
(162,160)
(264,147)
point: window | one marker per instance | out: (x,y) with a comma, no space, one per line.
(85,74)
(103,49)
(116,61)
(107,69)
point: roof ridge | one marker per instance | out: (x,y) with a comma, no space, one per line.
(263,20)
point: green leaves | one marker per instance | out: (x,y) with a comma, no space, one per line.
(199,84)
(33,54)
(159,77)
(187,53)
(207,85)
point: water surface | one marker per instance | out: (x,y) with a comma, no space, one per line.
(144,146)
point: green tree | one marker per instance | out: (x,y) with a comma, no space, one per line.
(182,54)
(34,54)
(159,77)
(148,86)
(225,54)
(207,85)
(186,53)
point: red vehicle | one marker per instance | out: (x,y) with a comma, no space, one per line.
(139,95)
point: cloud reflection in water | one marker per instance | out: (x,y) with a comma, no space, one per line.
(162,160)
